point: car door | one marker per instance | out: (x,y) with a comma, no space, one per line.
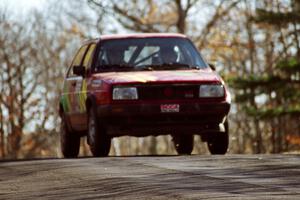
(81,84)
(72,85)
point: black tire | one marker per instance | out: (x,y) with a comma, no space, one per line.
(98,140)
(69,141)
(184,144)
(218,143)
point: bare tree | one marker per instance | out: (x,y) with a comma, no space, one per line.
(34,56)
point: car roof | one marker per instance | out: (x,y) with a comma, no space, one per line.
(140,35)
(135,35)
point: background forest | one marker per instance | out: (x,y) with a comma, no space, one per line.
(255,45)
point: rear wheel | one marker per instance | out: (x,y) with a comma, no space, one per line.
(97,138)
(184,144)
(69,141)
(218,143)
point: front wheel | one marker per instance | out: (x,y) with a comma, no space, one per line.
(69,140)
(184,144)
(97,138)
(218,143)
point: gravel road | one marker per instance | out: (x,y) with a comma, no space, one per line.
(153,177)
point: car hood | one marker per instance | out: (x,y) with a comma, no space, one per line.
(178,76)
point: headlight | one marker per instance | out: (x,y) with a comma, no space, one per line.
(211,91)
(124,93)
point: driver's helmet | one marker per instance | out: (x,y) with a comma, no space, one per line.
(168,55)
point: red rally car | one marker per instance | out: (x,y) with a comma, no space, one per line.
(141,85)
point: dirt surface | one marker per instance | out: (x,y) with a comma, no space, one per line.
(159,177)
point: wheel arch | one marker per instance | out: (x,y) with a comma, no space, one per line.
(90,101)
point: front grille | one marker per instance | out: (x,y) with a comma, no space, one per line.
(170,92)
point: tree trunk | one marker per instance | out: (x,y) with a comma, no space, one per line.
(258,137)
(2,143)
(181,21)
(153,144)
(273,136)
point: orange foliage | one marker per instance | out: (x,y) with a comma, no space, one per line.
(293,139)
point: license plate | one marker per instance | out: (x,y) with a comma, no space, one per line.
(167,108)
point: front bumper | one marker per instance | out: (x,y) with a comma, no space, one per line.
(147,119)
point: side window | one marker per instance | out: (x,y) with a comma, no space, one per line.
(88,57)
(77,60)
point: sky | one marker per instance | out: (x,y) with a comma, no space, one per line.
(22,5)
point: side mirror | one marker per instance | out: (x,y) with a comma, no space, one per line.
(212,66)
(79,70)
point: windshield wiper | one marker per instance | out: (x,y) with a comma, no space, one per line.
(115,67)
(195,67)
(166,66)
(180,65)
(146,67)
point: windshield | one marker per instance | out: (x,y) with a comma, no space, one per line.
(134,54)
